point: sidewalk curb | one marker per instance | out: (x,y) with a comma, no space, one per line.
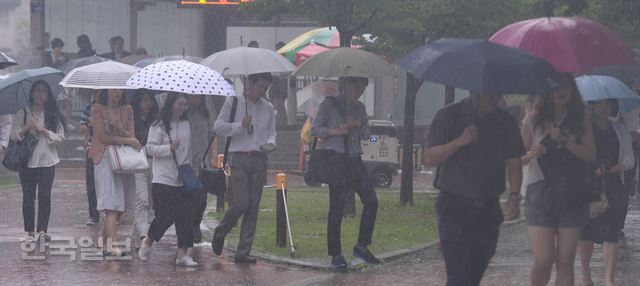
(355,265)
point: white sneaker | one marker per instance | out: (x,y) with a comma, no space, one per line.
(29,238)
(144,252)
(185,261)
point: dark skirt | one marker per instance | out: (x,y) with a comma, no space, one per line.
(605,227)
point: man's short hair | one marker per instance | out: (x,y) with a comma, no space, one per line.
(253,78)
(57,43)
(116,39)
(356,79)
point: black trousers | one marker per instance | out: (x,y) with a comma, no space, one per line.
(356,179)
(468,236)
(172,205)
(200,207)
(91,190)
(40,179)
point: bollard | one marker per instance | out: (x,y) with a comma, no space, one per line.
(281,219)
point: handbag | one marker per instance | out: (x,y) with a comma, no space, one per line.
(125,159)
(191,183)
(213,178)
(325,165)
(19,153)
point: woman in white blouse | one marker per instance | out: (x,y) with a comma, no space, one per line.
(169,135)
(43,120)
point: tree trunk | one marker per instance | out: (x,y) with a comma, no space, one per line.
(406,183)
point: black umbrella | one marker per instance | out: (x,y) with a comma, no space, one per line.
(480,66)
(72,64)
(6,61)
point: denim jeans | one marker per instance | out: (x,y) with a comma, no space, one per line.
(358,180)
(468,233)
(42,180)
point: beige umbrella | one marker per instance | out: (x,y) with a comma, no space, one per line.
(104,75)
(344,62)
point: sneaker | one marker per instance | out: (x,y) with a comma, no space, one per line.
(145,251)
(338,262)
(92,222)
(363,253)
(44,237)
(31,237)
(186,261)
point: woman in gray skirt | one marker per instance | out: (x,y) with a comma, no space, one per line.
(560,143)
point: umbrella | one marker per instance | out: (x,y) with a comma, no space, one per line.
(132,59)
(574,45)
(480,66)
(599,87)
(14,89)
(72,64)
(146,62)
(6,61)
(343,62)
(327,36)
(244,61)
(625,73)
(181,76)
(312,95)
(308,52)
(104,75)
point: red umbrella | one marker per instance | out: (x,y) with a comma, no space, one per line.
(309,51)
(574,45)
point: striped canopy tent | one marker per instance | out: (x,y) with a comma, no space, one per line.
(328,37)
(309,51)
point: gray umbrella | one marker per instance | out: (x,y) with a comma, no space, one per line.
(72,64)
(6,61)
(14,90)
(344,62)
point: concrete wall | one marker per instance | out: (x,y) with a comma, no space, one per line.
(15,30)
(162,29)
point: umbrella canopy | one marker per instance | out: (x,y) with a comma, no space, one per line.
(480,66)
(599,87)
(14,89)
(312,95)
(181,76)
(243,61)
(132,59)
(327,36)
(6,61)
(104,75)
(309,51)
(146,62)
(342,62)
(72,64)
(625,73)
(574,45)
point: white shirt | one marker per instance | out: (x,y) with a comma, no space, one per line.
(45,154)
(164,170)
(631,119)
(5,129)
(263,119)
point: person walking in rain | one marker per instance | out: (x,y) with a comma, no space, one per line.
(614,157)
(252,135)
(560,138)
(472,143)
(341,123)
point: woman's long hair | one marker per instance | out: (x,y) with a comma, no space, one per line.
(574,122)
(164,117)
(52,115)
(103,98)
(137,100)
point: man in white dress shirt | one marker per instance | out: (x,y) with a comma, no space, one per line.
(253,135)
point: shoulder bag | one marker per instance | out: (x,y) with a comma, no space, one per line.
(214,178)
(190,181)
(19,153)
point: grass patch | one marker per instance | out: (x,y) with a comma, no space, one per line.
(8,181)
(396,226)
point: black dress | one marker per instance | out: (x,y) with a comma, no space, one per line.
(605,227)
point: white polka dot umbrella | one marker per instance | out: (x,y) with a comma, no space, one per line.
(181,76)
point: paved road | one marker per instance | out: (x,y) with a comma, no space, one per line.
(509,267)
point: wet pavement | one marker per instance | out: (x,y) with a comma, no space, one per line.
(510,266)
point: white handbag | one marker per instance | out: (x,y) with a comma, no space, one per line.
(126,159)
